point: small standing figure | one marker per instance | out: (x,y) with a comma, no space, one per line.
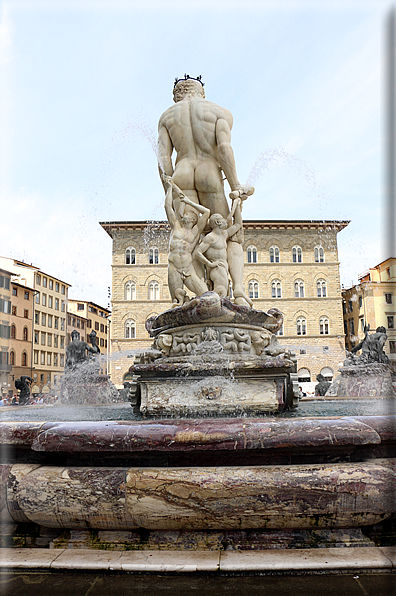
(212,251)
(322,386)
(186,229)
(23,384)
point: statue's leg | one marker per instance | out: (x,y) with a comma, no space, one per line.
(195,285)
(175,283)
(210,187)
(235,264)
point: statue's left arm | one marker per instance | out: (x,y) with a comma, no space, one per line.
(226,158)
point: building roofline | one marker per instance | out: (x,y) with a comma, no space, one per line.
(89,302)
(108,226)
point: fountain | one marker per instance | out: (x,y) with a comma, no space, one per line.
(207,470)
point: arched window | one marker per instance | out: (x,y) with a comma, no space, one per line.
(130,329)
(25,334)
(130,290)
(153,290)
(327,373)
(319,254)
(280,331)
(321,288)
(324,326)
(12,332)
(24,359)
(253,289)
(303,375)
(274,254)
(297,254)
(301,326)
(252,254)
(12,358)
(276,289)
(130,256)
(299,288)
(153,256)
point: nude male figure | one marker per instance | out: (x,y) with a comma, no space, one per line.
(185,233)
(200,132)
(212,251)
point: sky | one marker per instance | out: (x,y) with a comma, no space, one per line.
(83,84)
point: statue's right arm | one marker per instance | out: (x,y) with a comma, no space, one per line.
(202,248)
(201,209)
(165,149)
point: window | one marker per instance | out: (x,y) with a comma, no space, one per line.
(388,298)
(15,291)
(56,322)
(101,342)
(280,331)
(26,295)
(62,342)
(324,326)
(50,301)
(360,301)
(78,324)
(38,298)
(63,289)
(130,329)
(36,337)
(13,332)
(253,289)
(49,339)
(351,327)
(301,326)
(252,254)
(24,359)
(14,311)
(42,339)
(44,282)
(299,289)
(303,375)
(25,314)
(73,321)
(12,358)
(274,254)
(43,319)
(63,305)
(130,290)
(392,347)
(153,256)
(56,341)
(391,321)
(49,358)
(345,328)
(344,310)
(153,292)
(321,290)
(130,256)
(350,305)
(80,307)
(276,289)
(82,325)
(297,254)
(25,334)
(361,324)
(62,360)
(56,286)
(89,324)
(56,303)
(55,359)
(105,343)
(101,328)
(44,300)
(49,320)
(38,278)
(35,357)
(319,254)
(96,326)
(43,360)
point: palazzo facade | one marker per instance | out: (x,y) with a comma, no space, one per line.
(291,265)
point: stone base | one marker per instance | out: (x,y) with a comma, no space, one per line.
(210,540)
(218,386)
(363,380)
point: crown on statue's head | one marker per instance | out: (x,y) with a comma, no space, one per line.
(187,77)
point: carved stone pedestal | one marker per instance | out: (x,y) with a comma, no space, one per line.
(363,380)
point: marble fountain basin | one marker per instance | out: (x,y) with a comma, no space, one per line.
(199,474)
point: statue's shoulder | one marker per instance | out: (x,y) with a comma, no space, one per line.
(221,113)
(167,114)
